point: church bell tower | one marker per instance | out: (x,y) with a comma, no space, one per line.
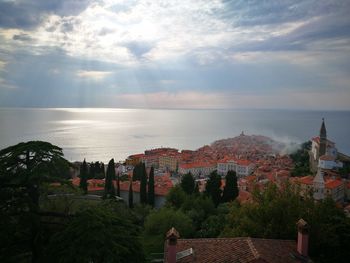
(323,139)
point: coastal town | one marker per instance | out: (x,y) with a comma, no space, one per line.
(257,161)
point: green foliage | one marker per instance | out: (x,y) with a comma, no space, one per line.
(301,160)
(110,177)
(118,185)
(198,208)
(137,172)
(175,198)
(83,177)
(230,192)
(151,188)
(131,196)
(212,187)
(345,170)
(97,235)
(24,169)
(274,215)
(188,183)
(159,222)
(143,185)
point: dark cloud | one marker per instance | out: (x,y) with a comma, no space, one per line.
(257,12)
(28,14)
(138,48)
(105,31)
(22,37)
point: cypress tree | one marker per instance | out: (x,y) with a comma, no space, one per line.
(83,177)
(118,185)
(151,196)
(131,195)
(212,187)
(188,183)
(110,176)
(231,189)
(92,171)
(103,175)
(143,185)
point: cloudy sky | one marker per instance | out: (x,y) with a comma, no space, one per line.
(175,54)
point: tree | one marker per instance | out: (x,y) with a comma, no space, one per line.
(83,177)
(188,183)
(159,222)
(301,160)
(175,198)
(110,177)
(196,188)
(231,189)
(212,187)
(143,185)
(25,169)
(137,172)
(92,171)
(198,208)
(97,234)
(131,195)
(151,188)
(118,185)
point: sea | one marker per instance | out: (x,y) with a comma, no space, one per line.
(99,134)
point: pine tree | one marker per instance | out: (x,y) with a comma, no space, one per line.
(110,176)
(131,195)
(143,185)
(83,177)
(151,196)
(231,189)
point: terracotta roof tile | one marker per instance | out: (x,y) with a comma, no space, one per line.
(243,250)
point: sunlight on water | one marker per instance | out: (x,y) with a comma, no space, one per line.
(100,134)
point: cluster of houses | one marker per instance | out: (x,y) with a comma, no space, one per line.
(255,167)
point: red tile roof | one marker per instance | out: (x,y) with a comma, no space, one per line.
(196,165)
(244,196)
(243,162)
(327,158)
(242,249)
(331,184)
(306,180)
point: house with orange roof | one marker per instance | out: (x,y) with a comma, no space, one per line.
(242,167)
(169,162)
(238,249)
(197,169)
(326,186)
(134,159)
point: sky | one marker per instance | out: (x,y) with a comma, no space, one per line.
(241,54)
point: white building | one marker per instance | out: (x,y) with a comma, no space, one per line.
(241,167)
(329,162)
(323,152)
(197,169)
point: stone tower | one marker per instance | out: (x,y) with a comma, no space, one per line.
(323,139)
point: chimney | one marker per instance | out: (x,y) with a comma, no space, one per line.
(303,238)
(171,237)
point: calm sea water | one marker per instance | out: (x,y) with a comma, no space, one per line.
(101,134)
